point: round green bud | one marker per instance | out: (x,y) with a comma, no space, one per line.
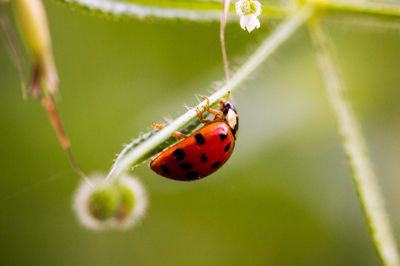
(126,202)
(103,202)
(100,204)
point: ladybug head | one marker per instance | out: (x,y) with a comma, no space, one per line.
(230,115)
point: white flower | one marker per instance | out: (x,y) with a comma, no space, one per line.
(249,22)
(104,205)
(248,10)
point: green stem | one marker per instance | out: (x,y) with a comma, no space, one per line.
(224,18)
(210,10)
(165,9)
(364,178)
(269,45)
(364,7)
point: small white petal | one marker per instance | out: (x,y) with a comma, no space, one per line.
(257,23)
(258,8)
(249,22)
(238,6)
(243,22)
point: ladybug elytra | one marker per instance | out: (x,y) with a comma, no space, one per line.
(205,150)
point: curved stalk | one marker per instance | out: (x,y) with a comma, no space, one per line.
(224,18)
(364,178)
(363,7)
(165,9)
(210,10)
(268,46)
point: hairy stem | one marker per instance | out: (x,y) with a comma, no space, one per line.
(364,178)
(224,17)
(267,47)
(363,7)
(210,10)
(164,9)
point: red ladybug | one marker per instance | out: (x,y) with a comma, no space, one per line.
(202,152)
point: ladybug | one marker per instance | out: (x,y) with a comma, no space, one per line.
(203,151)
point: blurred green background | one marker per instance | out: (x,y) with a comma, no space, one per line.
(285,197)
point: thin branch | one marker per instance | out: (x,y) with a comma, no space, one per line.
(210,10)
(367,21)
(267,47)
(224,18)
(363,7)
(121,155)
(164,9)
(364,178)
(63,139)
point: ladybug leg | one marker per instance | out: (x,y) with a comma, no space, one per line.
(201,118)
(176,134)
(179,135)
(219,116)
(222,101)
(157,126)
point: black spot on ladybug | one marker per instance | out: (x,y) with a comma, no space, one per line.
(185,166)
(203,158)
(165,169)
(216,164)
(223,136)
(192,175)
(227,147)
(200,140)
(179,154)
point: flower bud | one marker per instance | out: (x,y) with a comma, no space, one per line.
(248,10)
(103,202)
(104,205)
(132,203)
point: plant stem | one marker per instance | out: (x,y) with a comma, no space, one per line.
(364,7)
(55,120)
(364,178)
(164,9)
(224,17)
(210,10)
(268,46)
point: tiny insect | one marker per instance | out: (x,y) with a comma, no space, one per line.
(203,151)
